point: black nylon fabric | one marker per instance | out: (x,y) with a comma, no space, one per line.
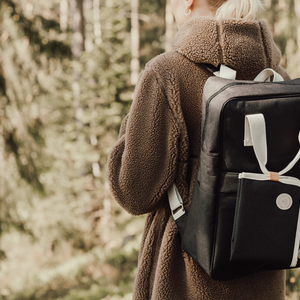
(207,228)
(264,233)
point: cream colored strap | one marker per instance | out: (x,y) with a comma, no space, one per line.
(297,244)
(175,201)
(226,72)
(255,135)
(266,74)
(263,177)
(293,162)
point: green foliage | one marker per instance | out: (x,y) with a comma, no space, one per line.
(76,243)
(153,29)
(281,19)
(62,236)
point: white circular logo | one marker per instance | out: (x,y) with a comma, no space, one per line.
(284,201)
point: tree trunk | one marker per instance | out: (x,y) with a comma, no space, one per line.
(135,41)
(169,26)
(2,145)
(64,9)
(297,12)
(97,24)
(77,48)
(78,28)
(273,15)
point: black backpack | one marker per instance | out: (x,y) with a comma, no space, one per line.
(243,218)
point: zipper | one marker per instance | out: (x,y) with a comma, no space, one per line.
(260,97)
(257,97)
(213,96)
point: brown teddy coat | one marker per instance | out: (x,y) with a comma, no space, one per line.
(159,142)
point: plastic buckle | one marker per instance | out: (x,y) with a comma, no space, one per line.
(178,212)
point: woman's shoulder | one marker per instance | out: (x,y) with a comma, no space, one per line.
(165,62)
(170,66)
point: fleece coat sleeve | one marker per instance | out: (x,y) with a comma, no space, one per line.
(143,161)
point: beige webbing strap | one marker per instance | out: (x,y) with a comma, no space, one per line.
(266,74)
(175,201)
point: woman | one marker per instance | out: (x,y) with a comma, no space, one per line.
(159,143)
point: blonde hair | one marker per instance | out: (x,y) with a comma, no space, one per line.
(238,9)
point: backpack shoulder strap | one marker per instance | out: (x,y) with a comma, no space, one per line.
(175,201)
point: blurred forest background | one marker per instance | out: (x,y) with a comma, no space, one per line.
(67,73)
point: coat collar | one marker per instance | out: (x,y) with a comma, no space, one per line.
(239,44)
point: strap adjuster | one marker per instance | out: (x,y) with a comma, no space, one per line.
(175,201)
(178,212)
(176,209)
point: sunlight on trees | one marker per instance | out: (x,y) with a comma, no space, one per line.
(67,74)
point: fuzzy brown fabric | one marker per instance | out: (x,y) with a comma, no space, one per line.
(159,142)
